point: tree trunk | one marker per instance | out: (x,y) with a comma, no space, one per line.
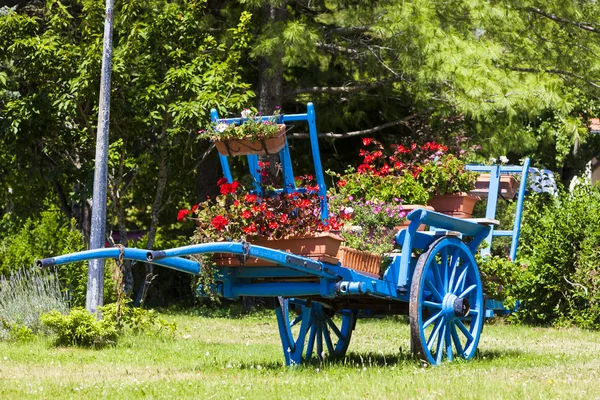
(270,72)
(208,172)
(161,186)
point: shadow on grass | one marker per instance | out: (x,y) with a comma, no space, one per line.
(379,360)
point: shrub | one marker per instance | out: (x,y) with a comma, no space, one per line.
(559,277)
(24,297)
(50,235)
(80,328)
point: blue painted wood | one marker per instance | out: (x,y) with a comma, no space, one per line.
(495,172)
(446,307)
(284,154)
(318,335)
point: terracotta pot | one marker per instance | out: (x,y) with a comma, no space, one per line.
(408,208)
(509,186)
(459,205)
(322,247)
(243,147)
(363,261)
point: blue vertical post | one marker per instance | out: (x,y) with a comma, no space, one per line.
(289,185)
(314,144)
(492,202)
(519,212)
(214,116)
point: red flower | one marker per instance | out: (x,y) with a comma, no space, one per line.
(273,225)
(236,203)
(264,164)
(341,183)
(367,141)
(182,214)
(219,222)
(246,214)
(364,168)
(313,188)
(284,218)
(385,169)
(221,181)
(250,198)
(194,208)
(250,229)
(416,173)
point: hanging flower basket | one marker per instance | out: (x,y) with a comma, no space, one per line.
(458,205)
(362,261)
(259,145)
(321,246)
(509,186)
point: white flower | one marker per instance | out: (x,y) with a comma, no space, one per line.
(493,160)
(348,210)
(221,127)
(246,113)
(503,159)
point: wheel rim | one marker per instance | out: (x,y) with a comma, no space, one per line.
(446,303)
(307,328)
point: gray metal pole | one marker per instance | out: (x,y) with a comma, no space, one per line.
(95,288)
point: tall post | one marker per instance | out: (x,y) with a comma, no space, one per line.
(95,287)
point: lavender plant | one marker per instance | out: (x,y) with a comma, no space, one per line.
(24,296)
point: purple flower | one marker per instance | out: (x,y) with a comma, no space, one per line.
(350,198)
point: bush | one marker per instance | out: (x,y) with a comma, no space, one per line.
(50,235)
(24,297)
(80,328)
(558,275)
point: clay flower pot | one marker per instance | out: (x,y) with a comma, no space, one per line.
(363,261)
(509,186)
(243,147)
(458,205)
(320,246)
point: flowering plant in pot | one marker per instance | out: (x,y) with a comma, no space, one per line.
(237,213)
(443,174)
(253,135)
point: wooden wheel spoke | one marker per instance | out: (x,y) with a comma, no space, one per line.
(467,291)
(296,320)
(460,283)
(433,290)
(439,351)
(319,341)
(335,329)
(311,342)
(327,337)
(464,330)
(456,340)
(448,343)
(432,319)
(434,334)
(431,304)
(444,266)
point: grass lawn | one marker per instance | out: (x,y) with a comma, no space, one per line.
(229,358)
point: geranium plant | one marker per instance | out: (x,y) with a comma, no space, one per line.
(237,213)
(252,126)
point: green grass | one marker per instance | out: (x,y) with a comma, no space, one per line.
(229,358)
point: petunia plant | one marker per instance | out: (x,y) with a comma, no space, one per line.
(252,126)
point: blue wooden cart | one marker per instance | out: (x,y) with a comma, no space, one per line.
(434,280)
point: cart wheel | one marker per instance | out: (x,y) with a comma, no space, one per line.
(446,303)
(305,326)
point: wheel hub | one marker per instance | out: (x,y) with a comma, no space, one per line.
(461,307)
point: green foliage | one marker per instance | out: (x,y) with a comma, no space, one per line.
(80,328)
(389,189)
(447,175)
(503,279)
(252,127)
(50,234)
(24,296)
(557,274)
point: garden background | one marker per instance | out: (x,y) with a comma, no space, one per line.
(512,78)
